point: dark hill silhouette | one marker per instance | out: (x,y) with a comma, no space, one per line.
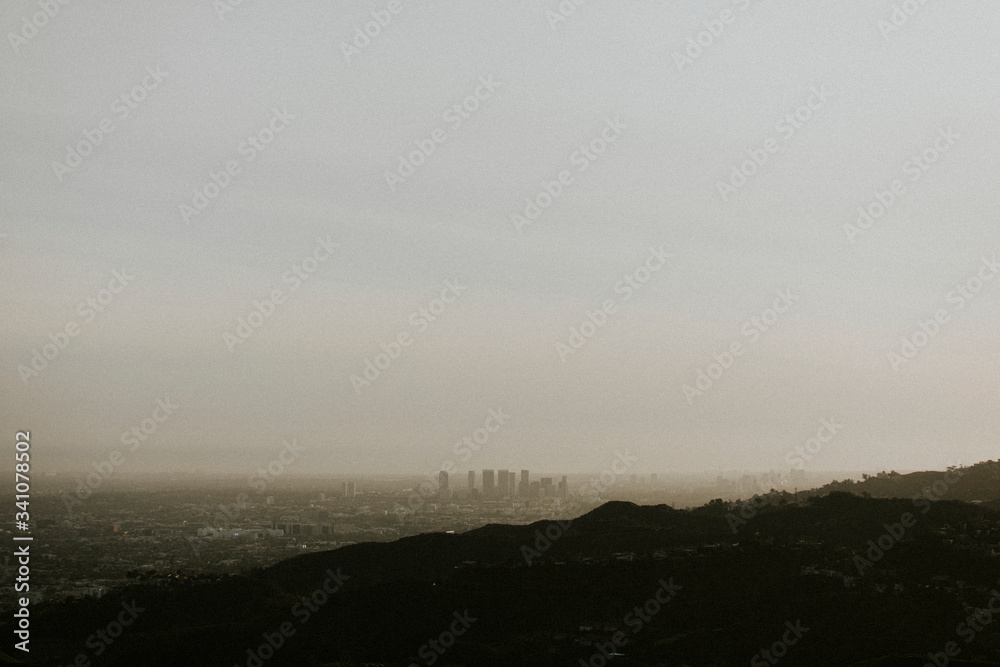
(796,561)
(976,483)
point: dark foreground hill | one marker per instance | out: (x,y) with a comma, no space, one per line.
(839,580)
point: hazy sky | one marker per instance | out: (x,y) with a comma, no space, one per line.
(681,117)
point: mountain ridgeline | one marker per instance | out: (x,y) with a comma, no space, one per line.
(886,571)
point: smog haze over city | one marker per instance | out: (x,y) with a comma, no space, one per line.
(428,306)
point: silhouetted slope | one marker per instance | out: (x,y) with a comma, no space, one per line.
(979,482)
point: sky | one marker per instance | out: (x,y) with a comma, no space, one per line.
(569,219)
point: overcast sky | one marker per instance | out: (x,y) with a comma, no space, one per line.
(628,78)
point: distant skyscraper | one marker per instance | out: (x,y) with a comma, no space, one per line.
(546,488)
(350,489)
(511,484)
(503,481)
(563,491)
(524,487)
(472,480)
(443,480)
(489,487)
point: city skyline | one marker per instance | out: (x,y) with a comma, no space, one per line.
(500,333)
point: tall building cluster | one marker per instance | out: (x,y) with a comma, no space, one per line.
(500,484)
